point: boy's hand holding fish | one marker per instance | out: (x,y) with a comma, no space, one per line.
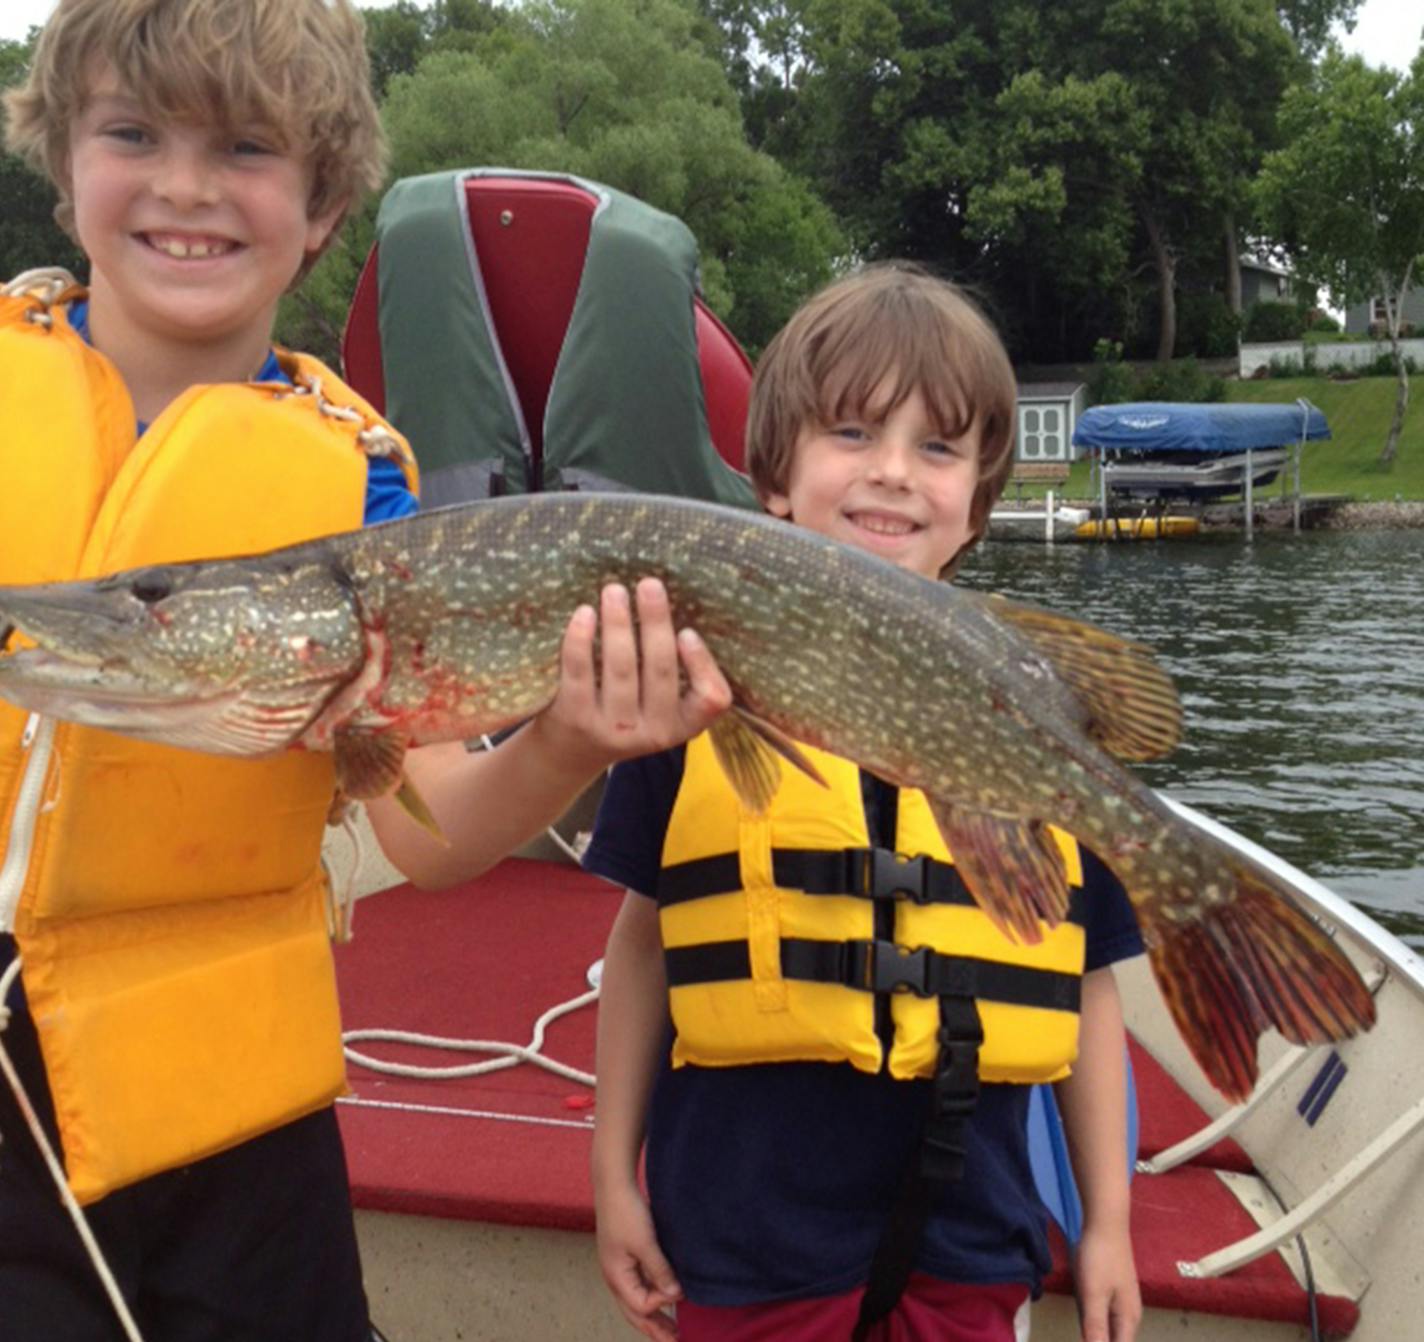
(627,687)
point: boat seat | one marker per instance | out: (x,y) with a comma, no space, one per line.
(1184,1215)
(531,233)
(1168,1115)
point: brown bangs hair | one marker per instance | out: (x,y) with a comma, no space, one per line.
(295,70)
(864,344)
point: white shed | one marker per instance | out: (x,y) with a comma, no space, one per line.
(1047,414)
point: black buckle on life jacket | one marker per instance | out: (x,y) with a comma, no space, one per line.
(878,873)
(955,1089)
(884,967)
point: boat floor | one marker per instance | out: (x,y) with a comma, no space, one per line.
(511,1148)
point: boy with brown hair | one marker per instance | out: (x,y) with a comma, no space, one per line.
(176,1027)
(811,1176)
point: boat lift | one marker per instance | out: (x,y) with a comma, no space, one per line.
(1164,451)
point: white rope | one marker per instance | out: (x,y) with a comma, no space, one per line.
(450,1111)
(76,1212)
(509,1055)
(341,894)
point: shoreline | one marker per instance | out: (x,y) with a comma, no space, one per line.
(1344,515)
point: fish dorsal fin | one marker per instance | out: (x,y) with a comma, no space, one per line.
(747,747)
(1013,868)
(1133,711)
(371,763)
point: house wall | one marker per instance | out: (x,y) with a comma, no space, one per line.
(1357,317)
(1257,286)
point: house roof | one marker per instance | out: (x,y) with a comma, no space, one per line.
(1270,267)
(1042,391)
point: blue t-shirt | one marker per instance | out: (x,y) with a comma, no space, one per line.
(774,1181)
(387,495)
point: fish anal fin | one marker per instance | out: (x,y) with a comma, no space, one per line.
(1013,868)
(1247,963)
(747,748)
(1132,707)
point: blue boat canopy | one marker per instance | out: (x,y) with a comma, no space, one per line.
(1169,426)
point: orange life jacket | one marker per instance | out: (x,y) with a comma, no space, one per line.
(169,907)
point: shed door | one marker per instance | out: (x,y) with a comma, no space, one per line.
(1041,436)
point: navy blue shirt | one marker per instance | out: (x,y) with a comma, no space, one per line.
(387,495)
(774,1181)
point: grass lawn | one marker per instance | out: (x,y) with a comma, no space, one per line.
(1358,413)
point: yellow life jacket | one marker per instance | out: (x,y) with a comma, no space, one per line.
(169,907)
(782,931)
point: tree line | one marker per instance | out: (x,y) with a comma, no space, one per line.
(1093,168)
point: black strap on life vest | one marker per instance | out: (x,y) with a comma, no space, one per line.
(939,1160)
(877,966)
(868,873)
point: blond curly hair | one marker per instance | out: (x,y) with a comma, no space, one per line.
(296,68)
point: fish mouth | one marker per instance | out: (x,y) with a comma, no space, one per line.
(216,719)
(102,692)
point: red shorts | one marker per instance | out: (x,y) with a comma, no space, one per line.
(930,1311)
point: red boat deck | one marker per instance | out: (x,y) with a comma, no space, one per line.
(485,960)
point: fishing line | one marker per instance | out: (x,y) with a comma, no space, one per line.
(76,1212)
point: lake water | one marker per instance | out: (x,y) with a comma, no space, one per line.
(1300,662)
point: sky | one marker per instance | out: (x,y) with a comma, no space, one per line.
(1387,32)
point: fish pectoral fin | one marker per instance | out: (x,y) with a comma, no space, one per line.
(1013,868)
(1132,707)
(370,763)
(747,747)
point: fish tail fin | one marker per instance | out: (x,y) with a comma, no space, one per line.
(1248,963)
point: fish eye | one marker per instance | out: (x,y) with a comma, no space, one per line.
(152,585)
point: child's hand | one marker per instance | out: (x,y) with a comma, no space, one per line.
(633,705)
(640,1278)
(1109,1301)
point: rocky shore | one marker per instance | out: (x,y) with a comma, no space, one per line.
(1320,514)
(1325,515)
(1373,516)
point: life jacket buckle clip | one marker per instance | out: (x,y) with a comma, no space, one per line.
(888,968)
(887,875)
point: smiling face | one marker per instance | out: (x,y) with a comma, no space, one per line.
(887,480)
(193,231)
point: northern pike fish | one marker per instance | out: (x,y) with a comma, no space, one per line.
(448,624)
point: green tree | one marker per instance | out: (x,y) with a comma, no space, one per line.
(1345,193)
(1054,153)
(29,236)
(1309,22)
(630,95)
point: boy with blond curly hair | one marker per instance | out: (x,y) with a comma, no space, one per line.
(828,1158)
(167,992)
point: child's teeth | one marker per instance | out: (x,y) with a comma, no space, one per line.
(176,247)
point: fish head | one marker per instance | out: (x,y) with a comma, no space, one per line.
(228,656)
